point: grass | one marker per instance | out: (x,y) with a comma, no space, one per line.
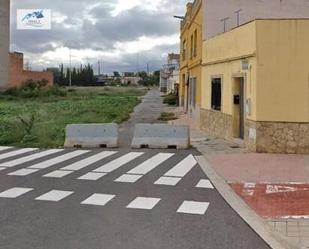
(167,116)
(40,119)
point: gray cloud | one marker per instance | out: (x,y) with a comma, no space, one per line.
(96,29)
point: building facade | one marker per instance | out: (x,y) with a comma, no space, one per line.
(169,74)
(18,75)
(4,43)
(255,85)
(191,61)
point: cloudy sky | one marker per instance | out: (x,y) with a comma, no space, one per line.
(124,35)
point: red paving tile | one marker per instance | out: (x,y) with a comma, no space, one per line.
(260,167)
(275,200)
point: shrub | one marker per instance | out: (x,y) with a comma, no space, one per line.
(170,99)
(166,116)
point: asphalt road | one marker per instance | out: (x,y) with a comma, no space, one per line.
(31,219)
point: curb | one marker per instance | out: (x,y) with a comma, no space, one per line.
(274,240)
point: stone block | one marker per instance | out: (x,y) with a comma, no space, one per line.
(91,136)
(161,136)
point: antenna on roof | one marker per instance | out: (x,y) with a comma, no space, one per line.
(224,20)
(237,12)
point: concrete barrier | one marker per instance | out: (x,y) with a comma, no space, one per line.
(91,136)
(161,136)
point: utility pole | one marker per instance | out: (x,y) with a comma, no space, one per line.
(238,16)
(99,67)
(70,73)
(147,69)
(224,20)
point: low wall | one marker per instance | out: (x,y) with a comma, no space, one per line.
(278,137)
(216,123)
(262,137)
(18,75)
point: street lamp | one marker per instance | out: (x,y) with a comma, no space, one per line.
(184,18)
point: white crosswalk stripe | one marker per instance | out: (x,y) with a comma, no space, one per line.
(23,172)
(150,164)
(54,195)
(29,158)
(58,159)
(88,161)
(16,153)
(98,199)
(182,168)
(67,170)
(174,175)
(193,207)
(2,148)
(111,166)
(142,169)
(14,192)
(117,163)
(48,163)
(144,203)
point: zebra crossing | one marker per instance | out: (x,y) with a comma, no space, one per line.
(171,178)
(94,165)
(100,199)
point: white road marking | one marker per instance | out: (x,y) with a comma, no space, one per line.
(54,195)
(117,163)
(5,148)
(29,158)
(23,172)
(193,207)
(58,173)
(98,199)
(170,181)
(182,168)
(88,161)
(58,159)
(92,176)
(150,164)
(204,184)
(16,152)
(1,168)
(128,178)
(144,203)
(14,192)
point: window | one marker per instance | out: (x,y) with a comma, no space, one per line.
(195,44)
(216,88)
(191,47)
(184,50)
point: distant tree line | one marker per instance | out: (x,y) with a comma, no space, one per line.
(149,80)
(82,76)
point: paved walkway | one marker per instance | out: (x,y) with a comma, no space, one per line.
(275,186)
(146,112)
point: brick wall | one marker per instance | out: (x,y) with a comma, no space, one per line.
(18,75)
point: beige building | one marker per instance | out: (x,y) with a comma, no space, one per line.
(255,85)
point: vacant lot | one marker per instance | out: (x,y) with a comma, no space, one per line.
(38,118)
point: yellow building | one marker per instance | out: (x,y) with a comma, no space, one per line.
(191,60)
(255,85)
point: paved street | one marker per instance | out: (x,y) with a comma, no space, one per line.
(113,199)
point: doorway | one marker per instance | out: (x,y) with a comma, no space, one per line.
(239,107)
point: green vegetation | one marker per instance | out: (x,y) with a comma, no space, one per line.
(167,116)
(36,115)
(170,99)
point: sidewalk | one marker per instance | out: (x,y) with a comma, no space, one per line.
(276,187)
